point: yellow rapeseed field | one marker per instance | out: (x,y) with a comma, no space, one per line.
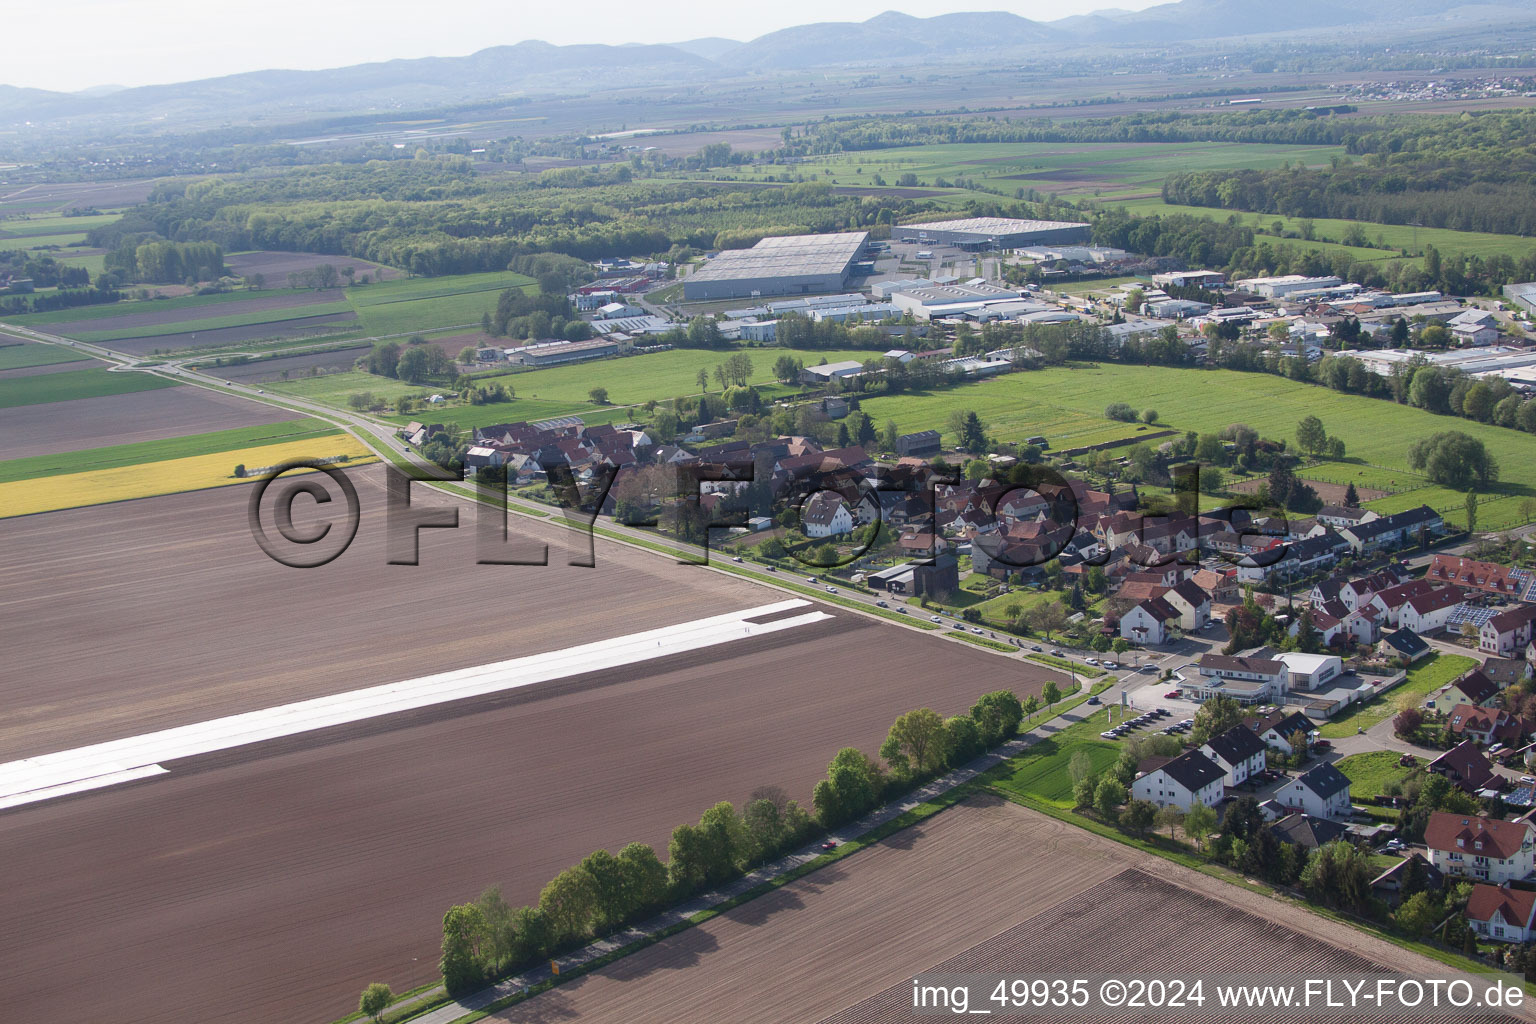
(96,487)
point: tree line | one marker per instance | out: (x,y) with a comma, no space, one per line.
(605,892)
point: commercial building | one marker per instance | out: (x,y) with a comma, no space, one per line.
(1522,295)
(553,353)
(1475,362)
(781,265)
(928,301)
(1280,287)
(1190,279)
(995,232)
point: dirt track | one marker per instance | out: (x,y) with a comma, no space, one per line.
(274,889)
(81,423)
(847,940)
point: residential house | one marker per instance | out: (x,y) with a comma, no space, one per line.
(1403,643)
(1474,846)
(1277,728)
(1389,884)
(1470,574)
(1506,672)
(826,514)
(1508,632)
(1499,912)
(1484,726)
(1465,765)
(1181,781)
(1192,604)
(1340,516)
(1238,752)
(1322,791)
(1429,613)
(1471,687)
(1306,831)
(1394,530)
(1149,622)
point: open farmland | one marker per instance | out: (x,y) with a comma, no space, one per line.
(59,464)
(71,384)
(270,841)
(984,872)
(31,354)
(137,319)
(143,479)
(64,195)
(80,423)
(257,370)
(276,266)
(1377,433)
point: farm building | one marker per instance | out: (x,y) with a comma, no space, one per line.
(996,232)
(782,265)
(553,353)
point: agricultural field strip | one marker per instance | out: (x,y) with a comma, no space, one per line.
(252,318)
(99,765)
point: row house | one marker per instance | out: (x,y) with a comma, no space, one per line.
(1239,753)
(1430,613)
(1487,577)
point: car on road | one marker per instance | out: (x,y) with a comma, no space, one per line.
(1090,661)
(881,604)
(977,631)
(1037,647)
(769,568)
(1171,694)
(901,611)
(831,590)
(1094,700)
(1055,653)
(935,618)
(810,579)
(735,558)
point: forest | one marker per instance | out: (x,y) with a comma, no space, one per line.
(1472,173)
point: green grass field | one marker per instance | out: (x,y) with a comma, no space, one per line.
(14,357)
(423,304)
(158,451)
(1428,675)
(1370,772)
(1066,405)
(35,227)
(44,388)
(274,317)
(1043,773)
(186,302)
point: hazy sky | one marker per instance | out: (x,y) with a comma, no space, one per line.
(141,42)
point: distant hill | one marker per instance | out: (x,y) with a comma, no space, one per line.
(888,36)
(709,47)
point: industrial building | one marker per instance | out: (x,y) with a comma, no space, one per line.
(1288,285)
(995,232)
(782,265)
(927,300)
(1522,295)
(1474,362)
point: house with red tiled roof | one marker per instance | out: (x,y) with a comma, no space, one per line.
(1508,632)
(1484,725)
(1475,846)
(1488,577)
(1501,913)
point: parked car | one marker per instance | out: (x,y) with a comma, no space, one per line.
(1171,694)
(1321,745)
(830,844)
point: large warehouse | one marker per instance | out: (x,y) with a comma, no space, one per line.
(995,232)
(783,265)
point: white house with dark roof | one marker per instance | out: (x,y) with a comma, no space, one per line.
(1149,622)
(1322,791)
(1277,728)
(1239,752)
(1183,781)
(1192,604)
(1507,633)
(825,514)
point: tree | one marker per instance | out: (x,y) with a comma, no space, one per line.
(997,716)
(1083,792)
(240,471)
(645,878)
(1419,913)
(413,365)
(1108,797)
(1471,512)
(962,739)
(972,434)
(598,395)
(916,742)
(1215,717)
(1080,767)
(852,786)
(1339,875)
(1138,816)
(1149,416)
(1051,693)
(1199,823)
(1120,646)
(1171,818)
(1120,411)
(375,1000)
(569,903)
(464,933)
(1407,722)
(498,927)
(1311,436)
(611,906)
(703,377)
(1351,496)
(1454,459)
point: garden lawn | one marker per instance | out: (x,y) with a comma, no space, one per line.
(69,384)
(1369,773)
(1425,677)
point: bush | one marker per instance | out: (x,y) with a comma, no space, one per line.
(1120,411)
